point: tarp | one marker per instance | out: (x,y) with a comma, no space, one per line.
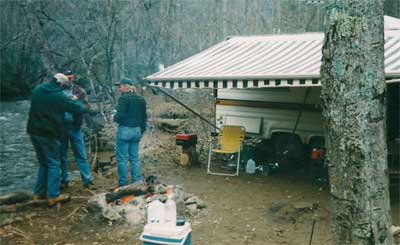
(292,60)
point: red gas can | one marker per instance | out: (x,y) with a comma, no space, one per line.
(186,139)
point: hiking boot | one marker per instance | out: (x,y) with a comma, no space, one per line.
(37,198)
(114,187)
(60,199)
(90,185)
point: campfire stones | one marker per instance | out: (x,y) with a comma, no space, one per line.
(201,204)
(195,200)
(192,209)
(134,212)
(191,200)
(194,204)
(110,213)
(97,203)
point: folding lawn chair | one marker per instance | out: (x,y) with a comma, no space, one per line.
(230,141)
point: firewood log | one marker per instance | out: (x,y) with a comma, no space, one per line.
(127,190)
(15,197)
(22,206)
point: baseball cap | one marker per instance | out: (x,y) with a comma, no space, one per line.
(69,74)
(61,78)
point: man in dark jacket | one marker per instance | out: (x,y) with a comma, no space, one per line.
(74,136)
(46,128)
(131,118)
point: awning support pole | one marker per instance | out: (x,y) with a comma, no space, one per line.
(182,104)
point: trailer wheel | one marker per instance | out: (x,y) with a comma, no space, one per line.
(264,152)
(289,150)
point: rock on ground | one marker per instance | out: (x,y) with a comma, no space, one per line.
(135,212)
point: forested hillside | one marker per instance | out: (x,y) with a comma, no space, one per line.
(107,39)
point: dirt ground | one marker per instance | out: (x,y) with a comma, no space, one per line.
(249,209)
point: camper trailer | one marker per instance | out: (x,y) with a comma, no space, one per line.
(271,86)
(287,119)
(290,121)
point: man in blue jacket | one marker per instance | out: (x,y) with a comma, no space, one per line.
(131,118)
(46,128)
(74,137)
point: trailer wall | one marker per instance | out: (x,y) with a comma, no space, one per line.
(265,111)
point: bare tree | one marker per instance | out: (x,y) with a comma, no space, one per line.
(105,40)
(353,95)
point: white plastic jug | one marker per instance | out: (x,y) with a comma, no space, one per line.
(170,212)
(251,166)
(156,212)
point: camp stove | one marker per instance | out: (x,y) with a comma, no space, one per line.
(189,154)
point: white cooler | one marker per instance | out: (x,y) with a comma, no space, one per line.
(167,235)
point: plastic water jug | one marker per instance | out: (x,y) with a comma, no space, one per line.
(156,212)
(251,166)
(170,212)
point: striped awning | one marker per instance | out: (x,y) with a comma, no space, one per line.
(265,61)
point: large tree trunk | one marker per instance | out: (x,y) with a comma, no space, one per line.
(353,97)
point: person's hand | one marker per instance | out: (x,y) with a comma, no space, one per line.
(114,112)
(74,97)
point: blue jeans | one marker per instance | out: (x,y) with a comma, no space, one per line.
(128,149)
(48,178)
(75,137)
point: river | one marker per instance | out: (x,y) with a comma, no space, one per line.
(18,163)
